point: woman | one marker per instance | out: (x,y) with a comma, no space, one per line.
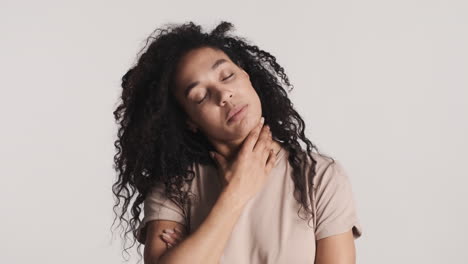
(209,143)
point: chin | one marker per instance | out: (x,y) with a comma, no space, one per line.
(241,128)
(249,123)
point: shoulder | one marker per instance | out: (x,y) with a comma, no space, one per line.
(326,168)
(333,199)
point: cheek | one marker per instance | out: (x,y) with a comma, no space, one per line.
(254,99)
(209,116)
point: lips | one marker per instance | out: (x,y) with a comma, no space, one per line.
(235,110)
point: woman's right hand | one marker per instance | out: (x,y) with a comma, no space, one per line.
(248,171)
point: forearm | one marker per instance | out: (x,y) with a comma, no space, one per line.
(207,243)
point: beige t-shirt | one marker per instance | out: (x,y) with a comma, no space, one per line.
(269,229)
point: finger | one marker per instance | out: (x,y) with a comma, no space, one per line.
(175,239)
(178,231)
(262,139)
(169,230)
(267,146)
(264,144)
(219,159)
(252,137)
(176,236)
(271,162)
(168,239)
(165,240)
(175,233)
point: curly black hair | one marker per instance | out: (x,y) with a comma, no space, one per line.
(153,145)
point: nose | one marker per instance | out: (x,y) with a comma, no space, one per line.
(224,95)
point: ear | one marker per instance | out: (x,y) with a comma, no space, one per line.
(246,74)
(191,125)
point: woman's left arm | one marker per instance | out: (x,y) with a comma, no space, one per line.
(337,249)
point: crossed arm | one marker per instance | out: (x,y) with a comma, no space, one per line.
(337,249)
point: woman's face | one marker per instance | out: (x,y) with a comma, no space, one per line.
(208,85)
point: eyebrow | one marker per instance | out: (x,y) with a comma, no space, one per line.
(213,67)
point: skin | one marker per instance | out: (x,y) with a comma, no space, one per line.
(246,176)
(219,91)
(337,249)
(225,87)
(172,236)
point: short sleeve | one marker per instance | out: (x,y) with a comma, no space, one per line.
(334,203)
(158,207)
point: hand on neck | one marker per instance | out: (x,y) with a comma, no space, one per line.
(230,150)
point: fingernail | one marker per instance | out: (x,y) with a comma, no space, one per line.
(168,231)
(262,120)
(166,235)
(177,229)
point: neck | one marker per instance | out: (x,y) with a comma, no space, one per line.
(230,150)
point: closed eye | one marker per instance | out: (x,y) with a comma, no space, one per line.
(228,77)
(199,102)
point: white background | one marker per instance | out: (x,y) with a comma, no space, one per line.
(382,86)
